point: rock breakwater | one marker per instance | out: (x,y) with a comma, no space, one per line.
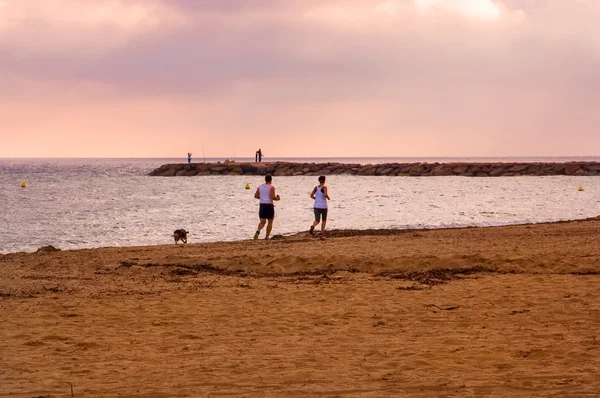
(383,169)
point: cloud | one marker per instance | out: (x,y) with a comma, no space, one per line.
(479,9)
(59,26)
(410,68)
(202,48)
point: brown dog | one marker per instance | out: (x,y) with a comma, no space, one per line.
(180,234)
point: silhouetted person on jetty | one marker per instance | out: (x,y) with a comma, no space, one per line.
(258,156)
(189,158)
(320,195)
(266,211)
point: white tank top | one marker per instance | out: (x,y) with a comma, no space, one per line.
(320,199)
(265,194)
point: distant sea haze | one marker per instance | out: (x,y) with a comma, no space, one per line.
(85,203)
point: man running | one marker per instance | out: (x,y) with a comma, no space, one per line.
(319,194)
(266,212)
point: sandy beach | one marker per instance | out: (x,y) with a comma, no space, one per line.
(500,312)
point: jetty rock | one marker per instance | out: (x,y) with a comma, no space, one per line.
(485,169)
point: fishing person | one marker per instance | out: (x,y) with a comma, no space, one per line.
(320,195)
(266,211)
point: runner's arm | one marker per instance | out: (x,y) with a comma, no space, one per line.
(312,194)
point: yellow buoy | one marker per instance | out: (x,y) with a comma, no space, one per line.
(580,189)
(23,184)
(247,186)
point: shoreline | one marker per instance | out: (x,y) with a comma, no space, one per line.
(303,237)
(331,233)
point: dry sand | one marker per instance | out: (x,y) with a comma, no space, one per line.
(500,312)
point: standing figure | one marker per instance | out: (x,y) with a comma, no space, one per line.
(259,155)
(189,158)
(266,212)
(319,194)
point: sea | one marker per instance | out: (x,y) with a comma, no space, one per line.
(90,203)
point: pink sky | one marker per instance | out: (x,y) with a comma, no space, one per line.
(315,78)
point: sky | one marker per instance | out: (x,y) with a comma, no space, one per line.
(309,78)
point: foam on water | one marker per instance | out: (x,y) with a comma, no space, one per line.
(86,203)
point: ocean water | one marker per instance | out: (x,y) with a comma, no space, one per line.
(86,203)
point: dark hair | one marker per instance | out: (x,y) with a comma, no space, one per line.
(322,179)
(268,178)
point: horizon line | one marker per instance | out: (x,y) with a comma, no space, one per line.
(311,157)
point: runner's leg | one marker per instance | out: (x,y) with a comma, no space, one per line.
(261,224)
(269,227)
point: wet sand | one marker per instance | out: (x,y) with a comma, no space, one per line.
(500,312)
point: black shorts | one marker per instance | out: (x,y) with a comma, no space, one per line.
(266,211)
(320,213)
